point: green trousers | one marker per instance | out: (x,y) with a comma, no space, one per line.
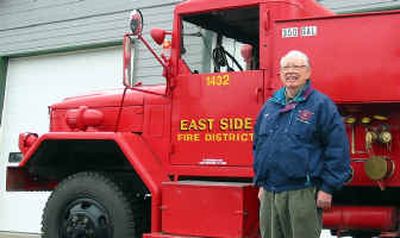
(290,214)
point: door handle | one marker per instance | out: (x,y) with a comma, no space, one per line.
(258,94)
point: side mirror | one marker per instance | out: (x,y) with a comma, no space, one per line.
(136,22)
(136,25)
(127,60)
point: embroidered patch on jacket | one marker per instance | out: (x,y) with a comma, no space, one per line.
(305,116)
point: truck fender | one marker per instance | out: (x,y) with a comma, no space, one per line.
(133,147)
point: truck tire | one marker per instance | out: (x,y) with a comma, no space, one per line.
(90,205)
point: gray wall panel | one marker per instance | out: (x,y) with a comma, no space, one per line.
(360,5)
(33,13)
(31,26)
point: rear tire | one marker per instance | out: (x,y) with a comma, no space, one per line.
(90,205)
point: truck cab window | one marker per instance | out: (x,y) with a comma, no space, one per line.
(221,41)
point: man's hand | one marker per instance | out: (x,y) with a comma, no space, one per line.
(324,200)
(260,193)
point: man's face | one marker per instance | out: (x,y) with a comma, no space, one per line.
(294,73)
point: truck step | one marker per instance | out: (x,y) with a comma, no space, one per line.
(209,209)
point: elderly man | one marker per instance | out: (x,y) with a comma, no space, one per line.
(301,154)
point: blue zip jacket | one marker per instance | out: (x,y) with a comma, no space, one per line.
(300,143)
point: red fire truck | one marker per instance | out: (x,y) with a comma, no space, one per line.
(175,160)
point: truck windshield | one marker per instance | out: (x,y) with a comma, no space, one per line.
(212,41)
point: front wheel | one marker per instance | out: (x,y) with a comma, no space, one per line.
(89,205)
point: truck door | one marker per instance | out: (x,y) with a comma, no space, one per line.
(219,88)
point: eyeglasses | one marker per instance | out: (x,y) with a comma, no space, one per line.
(294,67)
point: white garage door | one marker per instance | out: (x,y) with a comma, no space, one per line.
(33,83)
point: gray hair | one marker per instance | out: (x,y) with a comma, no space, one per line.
(295,54)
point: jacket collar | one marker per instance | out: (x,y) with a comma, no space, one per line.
(279,97)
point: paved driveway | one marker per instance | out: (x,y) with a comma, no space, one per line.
(18,235)
(325,234)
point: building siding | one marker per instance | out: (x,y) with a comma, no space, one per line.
(347,6)
(41,25)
